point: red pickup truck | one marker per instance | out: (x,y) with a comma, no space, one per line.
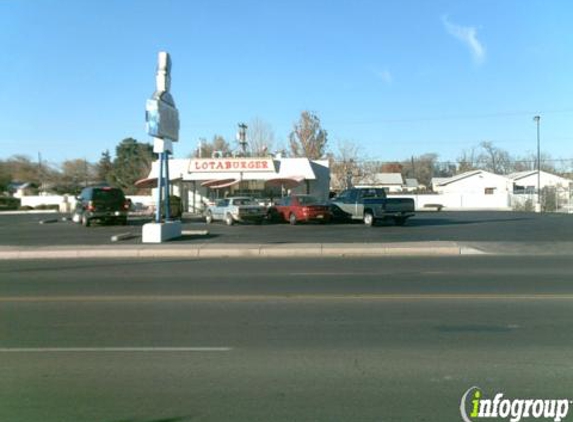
(300,208)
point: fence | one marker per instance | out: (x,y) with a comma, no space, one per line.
(459,201)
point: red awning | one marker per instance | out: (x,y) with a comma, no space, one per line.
(146,183)
(285,182)
(151,182)
(219,183)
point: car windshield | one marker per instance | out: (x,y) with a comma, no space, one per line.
(108,195)
(374,193)
(308,200)
(244,201)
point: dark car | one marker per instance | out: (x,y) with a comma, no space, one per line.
(103,204)
(296,208)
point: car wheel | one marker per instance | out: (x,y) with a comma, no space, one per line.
(292,219)
(85,221)
(399,221)
(229,220)
(273,216)
(368,219)
(209,218)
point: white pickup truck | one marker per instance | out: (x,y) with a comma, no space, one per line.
(236,209)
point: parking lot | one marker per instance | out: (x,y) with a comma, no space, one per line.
(26,230)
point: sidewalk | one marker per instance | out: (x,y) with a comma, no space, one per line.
(302,250)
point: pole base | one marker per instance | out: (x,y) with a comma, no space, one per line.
(537,207)
(160,232)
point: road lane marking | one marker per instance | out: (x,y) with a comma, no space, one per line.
(111,349)
(286,297)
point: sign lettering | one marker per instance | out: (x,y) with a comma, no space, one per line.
(227,165)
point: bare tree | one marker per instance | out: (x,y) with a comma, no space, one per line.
(529,162)
(422,168)
(494,159)
(75,174)
(345,164)
(261,137)
(218,146)
(467,160)
(308,139)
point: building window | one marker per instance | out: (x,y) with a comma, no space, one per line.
(489,191)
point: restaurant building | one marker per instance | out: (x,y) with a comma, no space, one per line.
(199,181)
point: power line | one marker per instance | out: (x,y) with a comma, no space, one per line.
(407,161)
(454,117)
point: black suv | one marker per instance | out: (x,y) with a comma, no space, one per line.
(101,203)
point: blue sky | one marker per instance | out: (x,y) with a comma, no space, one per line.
(399,78)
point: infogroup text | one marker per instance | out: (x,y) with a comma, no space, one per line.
(474,406)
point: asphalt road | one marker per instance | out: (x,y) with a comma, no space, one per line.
(25,230)
(395,339)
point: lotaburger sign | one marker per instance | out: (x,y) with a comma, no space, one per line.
(222,165)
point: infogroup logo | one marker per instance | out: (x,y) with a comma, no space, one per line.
(474,407)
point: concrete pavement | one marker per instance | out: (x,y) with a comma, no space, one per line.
(209,250)
(428,234)
(398,339)
(289,250)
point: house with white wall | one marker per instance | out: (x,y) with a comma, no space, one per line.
(475,182)
(526,181)
(199,181)
(392,182)
(477,189)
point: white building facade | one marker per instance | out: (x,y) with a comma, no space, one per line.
(199,181)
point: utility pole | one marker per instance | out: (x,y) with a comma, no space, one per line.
(242,138)
(40,171)
(536,119)
(85,172)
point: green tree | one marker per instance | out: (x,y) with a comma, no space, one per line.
(132,162)
(104,167)
(308,139)
(5,177)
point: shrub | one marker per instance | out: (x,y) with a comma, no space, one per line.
(47,207)
(8,203)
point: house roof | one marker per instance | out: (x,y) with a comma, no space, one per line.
(412,183)
(521,174)
(384,179)
(466,175)
(437,181)
(524,174)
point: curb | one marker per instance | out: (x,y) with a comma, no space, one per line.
(314,250)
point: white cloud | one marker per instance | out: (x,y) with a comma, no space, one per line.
(386,76)
(467,35)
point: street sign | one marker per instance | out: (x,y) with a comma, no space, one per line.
(162,120)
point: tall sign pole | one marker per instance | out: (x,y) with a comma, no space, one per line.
(162,124)
(536,119)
